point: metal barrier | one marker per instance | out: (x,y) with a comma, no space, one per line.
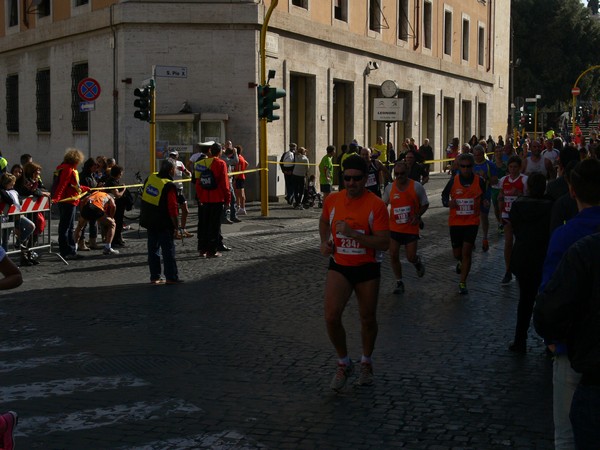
(31,207)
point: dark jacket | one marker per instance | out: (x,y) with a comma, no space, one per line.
(87,179)
(26,187)
(530,219)
(568,309)
(158,197)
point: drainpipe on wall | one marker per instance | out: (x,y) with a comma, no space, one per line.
(115,90)
(489,39)
(417,25)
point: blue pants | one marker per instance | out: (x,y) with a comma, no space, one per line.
(66,244)
(162,241)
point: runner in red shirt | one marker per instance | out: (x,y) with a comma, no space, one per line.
(354,229)
(240,182)
(512,186)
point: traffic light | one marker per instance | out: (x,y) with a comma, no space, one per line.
(522,118)
(518,118)
(261,95)
(530,108)
(271,103)
(143,103)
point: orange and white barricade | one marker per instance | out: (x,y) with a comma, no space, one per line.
(37,209)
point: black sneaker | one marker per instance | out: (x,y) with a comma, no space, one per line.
(420,267)
(507,278)
(399,287)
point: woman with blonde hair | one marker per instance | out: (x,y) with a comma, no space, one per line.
(66,191)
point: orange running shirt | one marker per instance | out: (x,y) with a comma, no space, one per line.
(468,203)
(365,214)
(101,200)
(403,206)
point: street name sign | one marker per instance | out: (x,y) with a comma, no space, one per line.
(170,71)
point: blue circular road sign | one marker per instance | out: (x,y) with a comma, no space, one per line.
(88,89)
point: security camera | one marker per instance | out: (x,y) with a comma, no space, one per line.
(373,65)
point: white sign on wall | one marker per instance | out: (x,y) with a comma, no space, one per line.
(388,109)
(171,71)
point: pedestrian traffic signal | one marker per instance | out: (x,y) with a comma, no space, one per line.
(271,105)
(261,96)
(143,103)
(519,118)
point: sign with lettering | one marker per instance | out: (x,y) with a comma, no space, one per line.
(170,71)
(388,109)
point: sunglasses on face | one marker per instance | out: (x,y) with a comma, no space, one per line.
(466,166)
(399,174)
(353,177)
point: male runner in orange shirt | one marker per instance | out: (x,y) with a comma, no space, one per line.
(408,202)
(354,228)
(464,196)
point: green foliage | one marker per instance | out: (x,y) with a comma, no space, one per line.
(556,40)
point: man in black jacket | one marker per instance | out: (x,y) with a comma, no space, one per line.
(569,310)
(159,215)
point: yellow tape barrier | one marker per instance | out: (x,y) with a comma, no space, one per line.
(187,180)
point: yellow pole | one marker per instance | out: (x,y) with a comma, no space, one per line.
(153,128)
(535,123)
(574,96)
(263,156)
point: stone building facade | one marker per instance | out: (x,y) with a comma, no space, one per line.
(449,59)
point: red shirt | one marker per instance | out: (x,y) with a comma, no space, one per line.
(68,189)
(242,165)
(221,194)
(511,190)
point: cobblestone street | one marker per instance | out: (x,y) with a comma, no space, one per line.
(237,357)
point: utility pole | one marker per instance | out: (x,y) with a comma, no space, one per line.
(264,172)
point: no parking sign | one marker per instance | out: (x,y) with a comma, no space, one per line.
(88,89)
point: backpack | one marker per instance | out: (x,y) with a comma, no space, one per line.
(55,181)
(207,177)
